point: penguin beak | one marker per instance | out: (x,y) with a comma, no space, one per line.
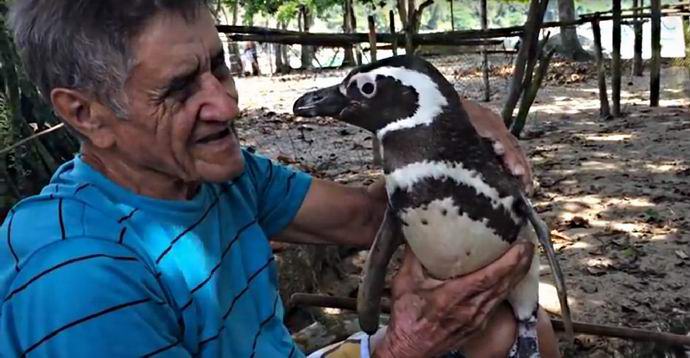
(322,102)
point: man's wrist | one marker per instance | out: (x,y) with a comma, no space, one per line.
(388,347)
(382,350)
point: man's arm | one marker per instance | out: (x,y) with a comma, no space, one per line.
(87,298)
(337,214)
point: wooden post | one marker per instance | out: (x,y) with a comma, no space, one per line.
(353,25)
(349,55)
(604,111)
(409,28)
(372,37)
(686,26)
(527,53)
(485,56)
(394,44)
(655,67)
(637,59)
(375,145)
(530,94)
(452,16)
(616,60)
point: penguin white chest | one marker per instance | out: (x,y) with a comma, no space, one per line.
(447,241)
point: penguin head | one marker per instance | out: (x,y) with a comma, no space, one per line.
(397,91)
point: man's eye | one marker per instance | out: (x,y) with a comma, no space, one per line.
(180,89)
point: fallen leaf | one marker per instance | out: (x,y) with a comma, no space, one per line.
(596,271)
(578,222)
(681,254)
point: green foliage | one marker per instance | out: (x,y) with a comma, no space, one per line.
(24,170)
(282,10)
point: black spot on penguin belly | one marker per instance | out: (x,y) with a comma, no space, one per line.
(466,198)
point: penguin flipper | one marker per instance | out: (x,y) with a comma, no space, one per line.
(387,241)
(544,238)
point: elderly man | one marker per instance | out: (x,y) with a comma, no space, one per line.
(153,240)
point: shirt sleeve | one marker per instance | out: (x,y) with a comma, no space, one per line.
(280,192)
(87,298)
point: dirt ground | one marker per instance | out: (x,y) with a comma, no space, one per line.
(616,193)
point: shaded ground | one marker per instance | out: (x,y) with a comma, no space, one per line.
(615,193)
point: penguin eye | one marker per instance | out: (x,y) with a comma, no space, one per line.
(367,88)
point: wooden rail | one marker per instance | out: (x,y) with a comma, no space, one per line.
(350,304)
(450,38)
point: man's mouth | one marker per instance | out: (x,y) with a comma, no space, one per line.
(214,136)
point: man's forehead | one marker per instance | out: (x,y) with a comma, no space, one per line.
(171,43)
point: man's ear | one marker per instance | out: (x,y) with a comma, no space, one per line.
(88,117)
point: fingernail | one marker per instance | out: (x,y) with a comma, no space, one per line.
(518,170)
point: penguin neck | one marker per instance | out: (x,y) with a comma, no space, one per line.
(450,129)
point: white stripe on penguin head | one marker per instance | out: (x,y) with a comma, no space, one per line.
(430,101)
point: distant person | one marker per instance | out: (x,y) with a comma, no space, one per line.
(250,59)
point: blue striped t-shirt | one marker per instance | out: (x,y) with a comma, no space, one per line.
(90,269)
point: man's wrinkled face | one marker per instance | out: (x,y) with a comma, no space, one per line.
(181,100)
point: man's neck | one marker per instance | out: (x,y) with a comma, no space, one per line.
(140,180)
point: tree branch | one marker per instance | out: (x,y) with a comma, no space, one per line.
(30,138)
(423,6)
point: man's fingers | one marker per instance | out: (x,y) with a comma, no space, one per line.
(513,264)
(410,274)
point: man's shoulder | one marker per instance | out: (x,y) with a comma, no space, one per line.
(57,213)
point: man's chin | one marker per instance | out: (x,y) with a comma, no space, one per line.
(218,171)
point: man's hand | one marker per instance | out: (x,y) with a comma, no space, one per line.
(490,125)
(432,317)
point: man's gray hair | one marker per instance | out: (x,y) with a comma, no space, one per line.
(85,44)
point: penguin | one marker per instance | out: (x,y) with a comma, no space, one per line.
(450,198)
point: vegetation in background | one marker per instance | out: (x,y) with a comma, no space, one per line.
(25,169)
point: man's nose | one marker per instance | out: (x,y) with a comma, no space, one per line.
(217,103)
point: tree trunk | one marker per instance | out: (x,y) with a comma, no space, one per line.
(604,110)
(686,25)
(278,54)
(409,28)
(485,56)
(530,94)
(616,60)
(570,44)
(233,48)
(278,58)
(307,55)
(452,16)
(526,55)
(394,44)
(234,12)
(349,56)
(655,67)
(353,24)
(372,37)
(637,59)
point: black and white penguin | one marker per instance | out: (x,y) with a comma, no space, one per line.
(450,197)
